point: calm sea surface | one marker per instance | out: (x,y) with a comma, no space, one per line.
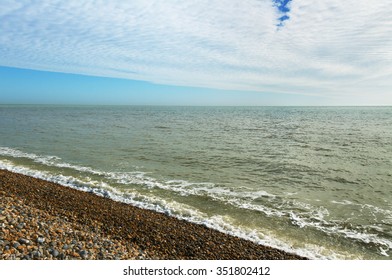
(311,180)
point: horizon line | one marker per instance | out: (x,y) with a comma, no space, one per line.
(182,105)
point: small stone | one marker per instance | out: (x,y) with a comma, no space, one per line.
(65,247)
(55,253)
(40,240)
(20,225)
(35,254)
(83,254)
(16,245)
(47,254)
(100,256)
(21,248)
(24,241)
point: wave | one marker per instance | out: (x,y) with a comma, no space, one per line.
(46,160)
(298,213)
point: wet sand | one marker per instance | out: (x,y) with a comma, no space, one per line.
(44,220)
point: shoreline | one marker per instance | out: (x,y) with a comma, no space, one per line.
(44,220)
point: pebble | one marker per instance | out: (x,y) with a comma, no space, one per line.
(24,241)
(20,226)
(55,253)
(36,255)
(40,240)
(83,254)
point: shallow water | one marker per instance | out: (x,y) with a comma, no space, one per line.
(316,181)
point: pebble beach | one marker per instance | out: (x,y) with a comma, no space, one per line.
(45,221)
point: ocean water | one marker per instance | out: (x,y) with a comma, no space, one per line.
(316,181)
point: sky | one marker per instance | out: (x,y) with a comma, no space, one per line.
(227,52)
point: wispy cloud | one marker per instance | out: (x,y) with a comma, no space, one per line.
(329,48)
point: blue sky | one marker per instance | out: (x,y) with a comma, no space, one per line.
(251,52)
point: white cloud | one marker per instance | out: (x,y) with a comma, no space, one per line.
(328,48)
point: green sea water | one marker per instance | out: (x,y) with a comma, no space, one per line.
(316,181)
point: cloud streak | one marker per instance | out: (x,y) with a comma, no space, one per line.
(327,48)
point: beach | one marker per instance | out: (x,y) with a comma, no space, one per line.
(44,220)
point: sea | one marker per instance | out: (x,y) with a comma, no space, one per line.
(315,181)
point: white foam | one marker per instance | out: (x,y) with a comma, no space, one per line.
(45,160)
(344,202)
(374,209)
